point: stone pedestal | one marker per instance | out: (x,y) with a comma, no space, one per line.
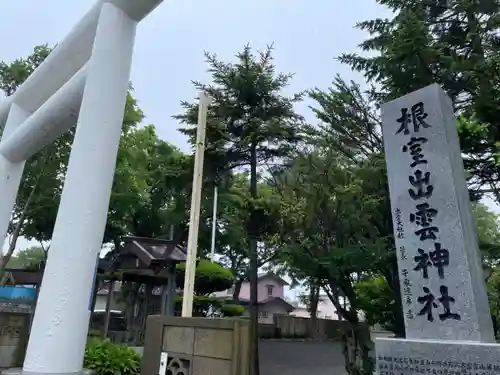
(402,357)
(195,346)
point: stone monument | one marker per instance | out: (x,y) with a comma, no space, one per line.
(447,319)
(83,81)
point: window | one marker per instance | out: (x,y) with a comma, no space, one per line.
(263,314)
(270,290)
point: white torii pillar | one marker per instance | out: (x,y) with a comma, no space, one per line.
(99,51)
(60,326)
(10,172)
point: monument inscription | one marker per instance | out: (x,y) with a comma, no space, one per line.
(403,357)
(447,319)
(440,273)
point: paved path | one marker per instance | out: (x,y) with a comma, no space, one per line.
(295,357)
(301,358)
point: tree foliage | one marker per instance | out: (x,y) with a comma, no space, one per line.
(454,43)
(232,239)
(210,277)
(13,74)
(251,123)
(149,188)
(376,300)
(333,228)
(30,258)
(41,179)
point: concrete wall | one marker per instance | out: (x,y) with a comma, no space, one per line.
(297,357)
(286,326)
(14,328)
(196,346)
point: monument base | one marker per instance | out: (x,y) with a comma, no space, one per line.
(19,371)
(405,357)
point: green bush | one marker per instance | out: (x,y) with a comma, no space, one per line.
(228,310)
(107,358)
(376,300)
(203,304)
(210,277)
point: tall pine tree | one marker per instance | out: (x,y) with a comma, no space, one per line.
(250,124)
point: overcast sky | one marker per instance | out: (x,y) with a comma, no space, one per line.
(171,41)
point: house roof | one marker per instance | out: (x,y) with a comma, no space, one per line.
(279,300)
(23,277)
(153,250)
(34,276)
(288,307)
(147,260)
(103,288)
(271,276)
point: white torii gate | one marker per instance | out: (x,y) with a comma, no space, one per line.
(84,80)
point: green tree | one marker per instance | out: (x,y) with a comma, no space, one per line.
(376,300)
(148,197)
(488,234)
(349,134)
(42,171)
(348,120)
(453,43)
(210,277)
(149,188)
(331,232)
(493,288)
(13,74)
(29,258)
(235,205)
(251,123)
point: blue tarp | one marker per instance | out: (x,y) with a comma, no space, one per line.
(13,293)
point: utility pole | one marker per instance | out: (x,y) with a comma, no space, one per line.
(194,219)
(214,223)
